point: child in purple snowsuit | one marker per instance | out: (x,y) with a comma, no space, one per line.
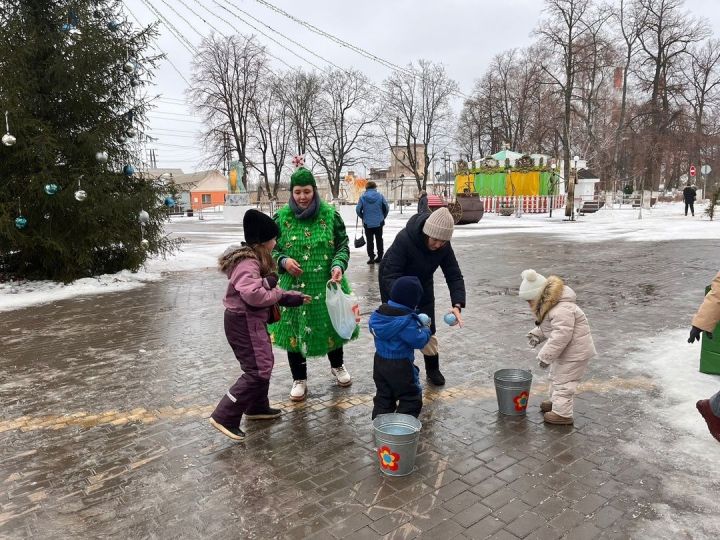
(249,300)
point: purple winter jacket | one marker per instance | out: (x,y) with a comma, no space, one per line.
(250,294)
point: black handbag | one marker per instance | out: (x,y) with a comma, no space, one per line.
(359,241)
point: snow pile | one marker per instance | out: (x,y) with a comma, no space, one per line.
(15,295)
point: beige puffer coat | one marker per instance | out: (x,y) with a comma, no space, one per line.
(708,314)
(565,327)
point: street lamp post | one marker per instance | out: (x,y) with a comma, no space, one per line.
(437,180)
(552,187)
(402,182)
(446,160)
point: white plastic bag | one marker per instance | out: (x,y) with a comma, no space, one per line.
(342,308)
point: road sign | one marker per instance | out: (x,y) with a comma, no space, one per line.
(692,171)
(705,169)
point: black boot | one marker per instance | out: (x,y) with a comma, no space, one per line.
(432,370)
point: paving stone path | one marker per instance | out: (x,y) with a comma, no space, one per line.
(105,402)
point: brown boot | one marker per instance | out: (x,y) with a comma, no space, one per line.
(712,421)
(546,406)
(554,418)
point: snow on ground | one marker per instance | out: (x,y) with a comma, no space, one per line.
(676,439)
(209,238)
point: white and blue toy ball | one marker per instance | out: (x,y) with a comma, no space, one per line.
(51,189)
(424,319)
(128,170)
(450,318)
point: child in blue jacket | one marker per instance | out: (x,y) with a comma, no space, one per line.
(398,331)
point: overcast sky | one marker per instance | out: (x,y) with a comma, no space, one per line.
(462,34)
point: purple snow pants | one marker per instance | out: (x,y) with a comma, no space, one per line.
(249,339)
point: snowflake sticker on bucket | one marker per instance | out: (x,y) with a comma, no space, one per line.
(521,401)
(388,458)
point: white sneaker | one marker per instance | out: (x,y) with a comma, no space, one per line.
(342,376)
(299,390)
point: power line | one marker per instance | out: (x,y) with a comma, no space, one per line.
(334,38)
(163,52)
(174,31)
(267,36)
(201,17)
(192,27)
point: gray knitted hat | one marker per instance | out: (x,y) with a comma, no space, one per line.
(440,225)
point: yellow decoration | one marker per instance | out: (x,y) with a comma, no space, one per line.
(523,183)
(463,182)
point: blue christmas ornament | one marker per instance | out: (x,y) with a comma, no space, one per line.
(51,189)
(424,319)
(450,318)
(67,27)
(128,170)
(113,25)
(20,222)
(169,202)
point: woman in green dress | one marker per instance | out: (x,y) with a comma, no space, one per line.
(311,250)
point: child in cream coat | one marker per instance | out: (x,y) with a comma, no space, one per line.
(569,346)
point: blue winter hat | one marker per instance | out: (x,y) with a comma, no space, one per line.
(407,291)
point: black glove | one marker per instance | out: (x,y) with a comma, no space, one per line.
(271,281)
(695,334)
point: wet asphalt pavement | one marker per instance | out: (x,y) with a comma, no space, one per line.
(105,402)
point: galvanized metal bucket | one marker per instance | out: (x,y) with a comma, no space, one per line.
(396,441)
(512,387)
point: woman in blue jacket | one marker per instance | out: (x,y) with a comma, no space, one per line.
(372,208)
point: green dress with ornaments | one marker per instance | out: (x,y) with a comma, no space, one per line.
(317,244)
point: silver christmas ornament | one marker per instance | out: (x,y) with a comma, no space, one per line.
(143,217)
(134,82)
(101,157)
(130,133)
(80,195)
(51,189)
(7,139)
(129,67)
(144,242)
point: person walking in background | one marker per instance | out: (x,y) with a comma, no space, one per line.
(689,194)
(251,294)
(423,207)
(312,248)
(398,331)
(372,209)
(705,320)
(418,250)
(569,344)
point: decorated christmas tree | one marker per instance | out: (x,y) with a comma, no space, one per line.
(73,199)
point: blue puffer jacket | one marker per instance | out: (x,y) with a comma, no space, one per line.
(398,331)
(372,208)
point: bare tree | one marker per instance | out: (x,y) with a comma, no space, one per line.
(630,23)
(300,93)
(226,76)
(418,116)
(340,130)
(562,31)
(701,78)
(273,132)
(665,37)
